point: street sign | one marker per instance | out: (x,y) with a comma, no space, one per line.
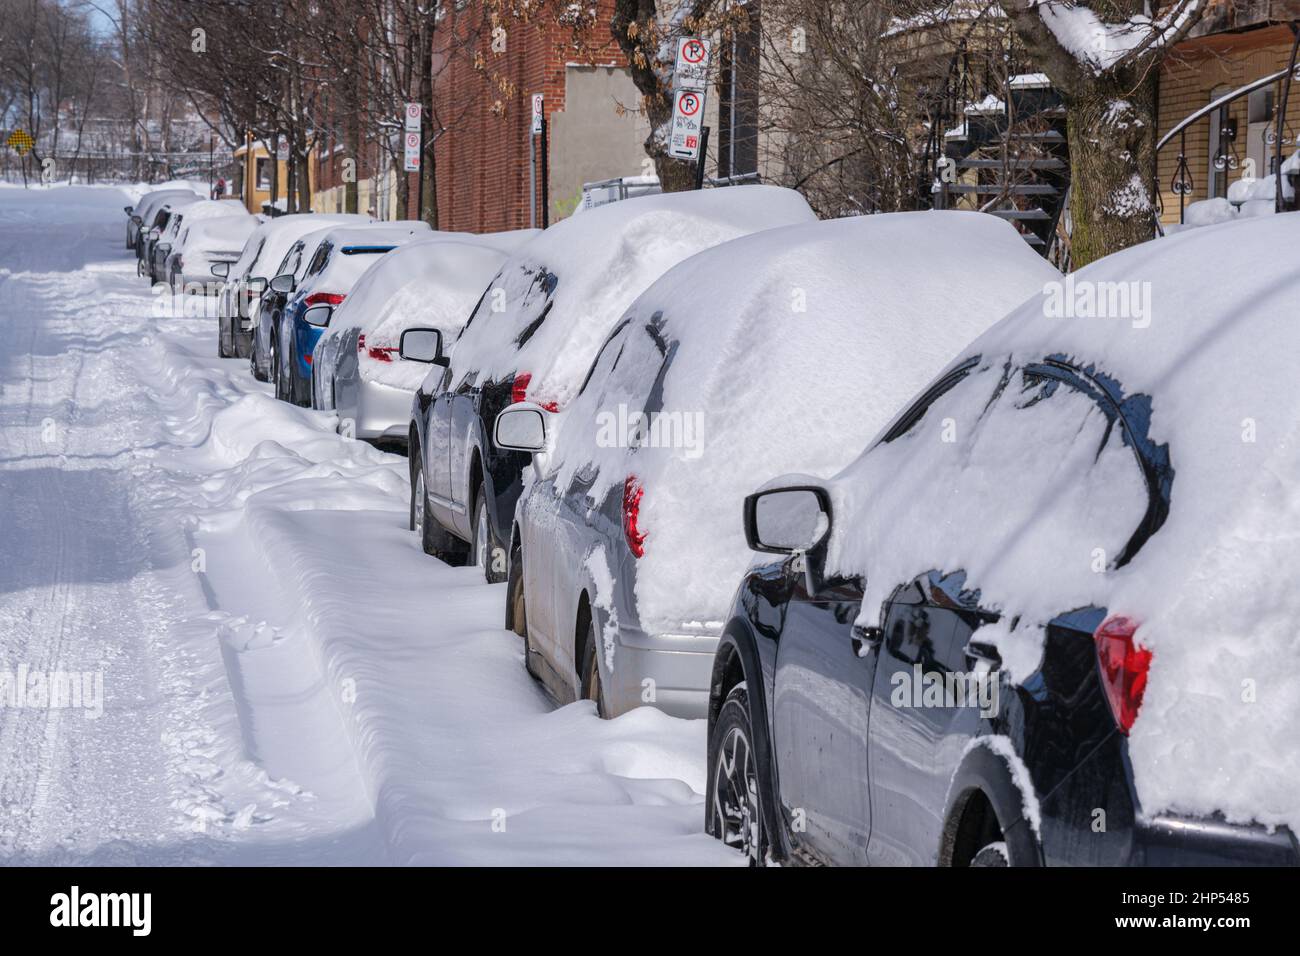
(688,117)
(692,70)
(537,114)
(411,159)
(21,140)
(412,114)
(282,149)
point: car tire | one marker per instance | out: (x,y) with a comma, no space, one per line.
(482,550)
(591,687)
(434,539)
(277,375)
(224,350)
(994,854)
(734,819)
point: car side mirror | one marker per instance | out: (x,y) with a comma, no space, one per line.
(127,210)
(521,427)
(318,315)
(787,520)
(422,345)
(283,283)
(221,269)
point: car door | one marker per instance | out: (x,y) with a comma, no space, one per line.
(820,714)
(913,707)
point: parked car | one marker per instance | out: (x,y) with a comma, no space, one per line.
(171,241)
(342,254)
(164,215)
(1089,518)
(140,215)
(430,283)
(782,349)
(246,279)
(534,334)
(204,246)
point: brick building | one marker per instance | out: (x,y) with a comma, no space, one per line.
(484,81)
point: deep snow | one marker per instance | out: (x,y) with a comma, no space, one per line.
(286,677)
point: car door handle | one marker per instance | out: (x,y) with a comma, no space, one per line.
(865,639)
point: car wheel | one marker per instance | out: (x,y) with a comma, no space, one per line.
(516,608)
(482,549)
(591,684)
(283,381)
(734,802)
(253,367)
(434,539)
(224,349)
(994,854)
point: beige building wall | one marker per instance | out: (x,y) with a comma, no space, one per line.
(589,140)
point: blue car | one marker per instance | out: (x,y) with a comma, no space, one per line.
(342,255)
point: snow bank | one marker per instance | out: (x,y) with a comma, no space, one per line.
(1211,588)
(790,348)
(556,299)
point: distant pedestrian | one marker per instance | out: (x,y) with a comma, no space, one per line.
(219,188)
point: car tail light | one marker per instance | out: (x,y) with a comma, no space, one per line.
(519,391)
(324,298)
(380,353)
(1123,665)
(632,492)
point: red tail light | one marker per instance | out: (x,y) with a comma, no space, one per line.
(324,298)
(520,388)
(1123,665)
(380,353)
(632,492)
(519,391)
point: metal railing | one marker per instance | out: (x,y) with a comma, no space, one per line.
(1182,183)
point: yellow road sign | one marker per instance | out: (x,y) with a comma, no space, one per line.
(21,140)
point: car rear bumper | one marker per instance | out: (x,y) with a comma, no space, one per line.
(670,671)
(1187,841)
(383,411)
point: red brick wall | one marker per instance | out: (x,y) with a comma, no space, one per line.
(482,158)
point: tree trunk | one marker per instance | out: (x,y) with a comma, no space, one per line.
(428,166)
(1112,129)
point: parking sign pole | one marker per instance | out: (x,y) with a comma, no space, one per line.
(699,163)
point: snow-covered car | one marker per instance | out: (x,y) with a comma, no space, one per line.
(140,215)
(1048,616)
(165,216)
(246,279)
(784,349)
(342,254)
(432,283)
(533,335)
(171,240)
(206,251)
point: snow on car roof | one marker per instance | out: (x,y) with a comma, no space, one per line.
(561,292)
(790,348)
(224,234)
(342,271)
(1210,334)
(272,239)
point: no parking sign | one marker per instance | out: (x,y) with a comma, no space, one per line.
(688,115)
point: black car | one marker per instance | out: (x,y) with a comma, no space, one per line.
(947,664)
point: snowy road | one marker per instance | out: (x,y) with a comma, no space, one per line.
(285,677)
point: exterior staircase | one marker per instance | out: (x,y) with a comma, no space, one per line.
(1008,156)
